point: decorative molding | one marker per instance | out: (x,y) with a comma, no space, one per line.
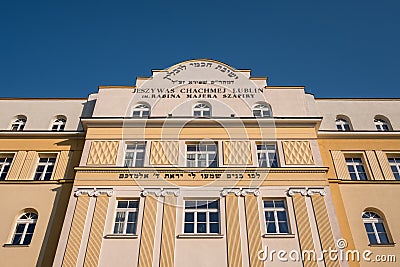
(240,191)
(293,191)
(160,192)
(306,191)
(94,192)
(314,191)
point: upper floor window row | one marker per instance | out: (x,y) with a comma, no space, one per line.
(57,125)
(203,110)
(202,154)
(381,124)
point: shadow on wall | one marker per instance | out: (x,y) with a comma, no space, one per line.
(54,226)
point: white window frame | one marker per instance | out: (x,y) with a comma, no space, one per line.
(135,151)
(19,123)
(395,164)
(206,153)
(275,210)
(355,164)
(380,123)
(203,108)
(46,165)
(373,222)
(266,152)
(341,125)
(4,163)
(142,109)
(264,109)
(60,124)
(126,211)
(207,211)
(27,222)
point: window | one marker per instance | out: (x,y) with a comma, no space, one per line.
(381,125)
(356,169)
(141,110)
(24,229)
(395,166)
(374,225)
(126,217)
(59,124)
(267,155)
(276,217)
(342,125)
(201,110)
(134,155)
(262,110)
(201,155)
(5,163)
(201,217)
(45,168)
(18,124)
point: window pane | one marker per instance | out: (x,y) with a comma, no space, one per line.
(189,217)
(213,204)
(268,204)
(214,217)
(368,227)
(122,204)
(279,204)
(17,239)
(189,228)
(133,204)
(283,228)
(132,216)
(27,239)
(214,228)
(383,238)
(271,227)
(201,228)
(372,239)
(131,228)
(282,216)
(201,204)
(201,217)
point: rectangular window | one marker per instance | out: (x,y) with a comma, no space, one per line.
(202,155)
(356,169)
(202,217)
(126,217)
(45,168)
(5,163)
(267,155)
(134,154)
(276,218)
(395,166)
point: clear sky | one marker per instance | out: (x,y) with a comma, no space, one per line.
(67,48)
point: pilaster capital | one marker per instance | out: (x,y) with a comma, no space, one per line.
(160,192)
(228,191)
(294,191)
(315,191)
(94,192)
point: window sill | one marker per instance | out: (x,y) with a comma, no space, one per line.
(382,245)
(113,236)
(198,236)
(15,246)
(278,236)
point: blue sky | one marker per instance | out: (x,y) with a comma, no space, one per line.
(66,49)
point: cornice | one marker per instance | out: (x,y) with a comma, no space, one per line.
(325,134)
(92,169)
(47,134)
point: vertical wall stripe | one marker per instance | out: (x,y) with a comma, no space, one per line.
(384,162)
(96,231)
(253,230)
(304,228)
(62,163)
(324,228)
(75,234)
(29,165)
(233,231)
(340,165)
(167,256)
(375,168)
(16,165)
(148,232)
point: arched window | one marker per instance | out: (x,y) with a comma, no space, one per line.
(24,229)
(141,110)
(19,123)
(375,227)
(381,124)
(262,110)
(202,110)
(59,124)
(342,125)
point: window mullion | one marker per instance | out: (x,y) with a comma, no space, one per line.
(24,233)
(376,232)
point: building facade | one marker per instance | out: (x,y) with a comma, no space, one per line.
(199,165)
